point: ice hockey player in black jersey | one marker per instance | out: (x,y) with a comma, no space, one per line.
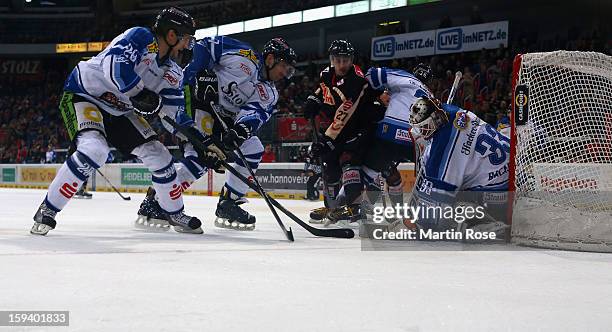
(345,97)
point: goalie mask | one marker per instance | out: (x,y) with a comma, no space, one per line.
(427,116)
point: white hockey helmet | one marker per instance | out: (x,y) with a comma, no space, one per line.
(427,116)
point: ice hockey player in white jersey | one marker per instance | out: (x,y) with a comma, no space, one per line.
(464,155)
(393,141)
(136,73)
(234,84)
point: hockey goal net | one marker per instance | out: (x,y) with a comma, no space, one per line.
(561,165)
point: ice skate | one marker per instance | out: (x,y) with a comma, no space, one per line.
(150,215)
(346,216)
(318,215)
(230,215)
(44,220)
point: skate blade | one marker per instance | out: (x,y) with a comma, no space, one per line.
(40,229)
(224,223)
(187,230)
(151,225)
(316,221)
(82,197)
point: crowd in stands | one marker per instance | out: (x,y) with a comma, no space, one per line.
(104,27)
(30,122)
(31,125)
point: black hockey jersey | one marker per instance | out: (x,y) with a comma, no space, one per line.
(349,102)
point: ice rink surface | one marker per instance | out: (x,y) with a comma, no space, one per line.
(112,277)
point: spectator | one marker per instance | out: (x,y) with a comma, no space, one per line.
(50,156)
(268,156)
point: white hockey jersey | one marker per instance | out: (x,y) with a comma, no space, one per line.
(404,89)
(126,66)
(466,154)
(243,93)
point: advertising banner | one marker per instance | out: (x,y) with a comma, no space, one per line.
(441,41)
(293,129)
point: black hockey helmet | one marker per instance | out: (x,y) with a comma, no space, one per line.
(341,47)
(423,72)
(282,52)
(174,18)
(177,19)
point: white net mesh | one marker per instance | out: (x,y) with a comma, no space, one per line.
(563,177)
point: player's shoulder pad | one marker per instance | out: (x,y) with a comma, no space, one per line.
(235,46)
(142,38)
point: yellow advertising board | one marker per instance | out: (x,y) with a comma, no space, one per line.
(37,174)
(71,48)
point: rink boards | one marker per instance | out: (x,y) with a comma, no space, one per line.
(282,180)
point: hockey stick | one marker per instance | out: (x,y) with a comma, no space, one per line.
(288,232)
(315,139)
(125,198)
(451,94)
(337,233)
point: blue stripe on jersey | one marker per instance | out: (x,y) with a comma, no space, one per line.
(254,156)
(139,37)
(202,59)
(439,184)
(232,45)
(252,164)
(383,75)
(171,92)
(450,154)
(437,151)
(116,73)
(374,72)
(73,83)
(173,101)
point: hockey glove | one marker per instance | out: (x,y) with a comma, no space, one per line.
(207,87)
(312,107)
(210,158)
(322,148)
(234,137)
(146,102)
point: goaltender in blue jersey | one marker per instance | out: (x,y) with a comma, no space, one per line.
(465,159)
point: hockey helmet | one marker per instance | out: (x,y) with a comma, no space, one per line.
(427,116)
(282,52)
(423,72)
